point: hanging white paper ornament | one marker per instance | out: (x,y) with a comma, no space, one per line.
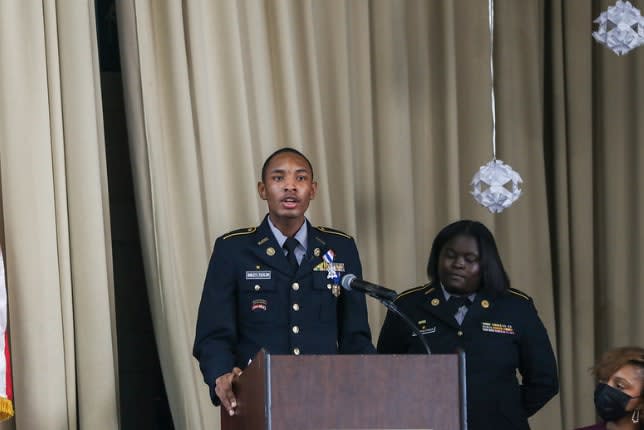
(621,28)
(496,186)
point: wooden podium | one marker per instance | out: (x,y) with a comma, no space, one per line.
(366,392)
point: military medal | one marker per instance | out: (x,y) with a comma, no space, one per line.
(331,273)
(335,290)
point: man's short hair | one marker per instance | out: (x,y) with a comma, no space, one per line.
(282,151)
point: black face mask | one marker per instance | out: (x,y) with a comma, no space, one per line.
(610,402)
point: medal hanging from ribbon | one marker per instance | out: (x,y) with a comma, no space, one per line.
(328,258)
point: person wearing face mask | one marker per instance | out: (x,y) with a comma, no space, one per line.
(469,305)
(619,392)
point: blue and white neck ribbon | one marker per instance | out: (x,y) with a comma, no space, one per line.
(328,259)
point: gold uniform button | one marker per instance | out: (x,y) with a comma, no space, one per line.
(460,333)
(257,288)
(296,307)
(328,286)
(295,286)
(296,351)
(295,329)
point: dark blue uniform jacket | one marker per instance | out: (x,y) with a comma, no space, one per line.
(251,301)
(500,335)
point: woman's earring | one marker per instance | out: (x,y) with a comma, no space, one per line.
(636,416)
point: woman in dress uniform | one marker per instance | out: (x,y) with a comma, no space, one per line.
(469,305)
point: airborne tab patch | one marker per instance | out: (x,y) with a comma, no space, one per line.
(258,305)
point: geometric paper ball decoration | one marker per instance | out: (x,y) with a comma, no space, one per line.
(496,186)
(621,28)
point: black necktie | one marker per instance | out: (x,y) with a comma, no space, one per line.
(456,302)
(290,245)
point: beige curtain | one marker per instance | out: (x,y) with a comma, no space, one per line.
(55,218)
(389,99)
(594,136)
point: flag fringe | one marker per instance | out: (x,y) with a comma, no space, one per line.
(6,409)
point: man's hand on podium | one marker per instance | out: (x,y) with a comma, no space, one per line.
(224,389)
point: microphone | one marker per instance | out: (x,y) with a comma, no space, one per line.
(352,282)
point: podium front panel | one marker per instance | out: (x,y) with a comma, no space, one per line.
(366,392)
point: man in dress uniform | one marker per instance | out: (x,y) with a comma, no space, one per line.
(277,286)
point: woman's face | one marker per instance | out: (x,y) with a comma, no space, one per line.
(458,265)
(628,379)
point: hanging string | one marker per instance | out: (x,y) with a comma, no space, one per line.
(496,185)
(491,22)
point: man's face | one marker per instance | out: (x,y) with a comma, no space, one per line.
(458,265)
(287,188)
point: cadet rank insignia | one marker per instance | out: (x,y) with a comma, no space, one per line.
(497,328)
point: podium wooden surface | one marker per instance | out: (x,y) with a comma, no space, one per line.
(366,392)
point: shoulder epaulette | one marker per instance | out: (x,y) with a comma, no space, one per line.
(413,290)
(239,232)
(519,293)
(333,231)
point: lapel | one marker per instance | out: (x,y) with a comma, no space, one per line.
(316,247)
(479,310)
(268,251)
(435,304)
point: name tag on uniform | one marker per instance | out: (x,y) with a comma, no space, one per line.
(497,328)
(258,274)
(426,331)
